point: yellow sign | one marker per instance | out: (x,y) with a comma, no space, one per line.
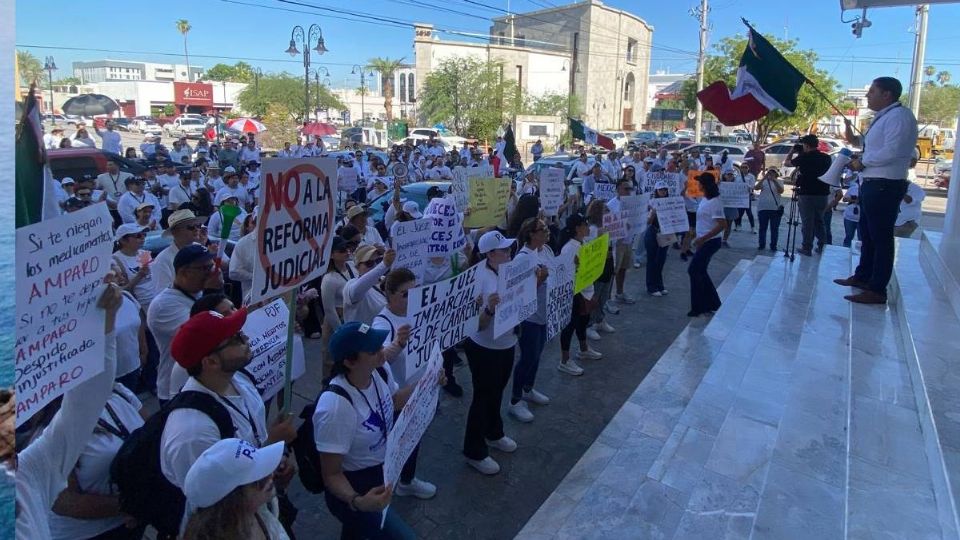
(591,259)
(488,201)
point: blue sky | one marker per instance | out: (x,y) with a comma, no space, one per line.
(258,31)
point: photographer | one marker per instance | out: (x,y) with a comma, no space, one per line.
(812,193)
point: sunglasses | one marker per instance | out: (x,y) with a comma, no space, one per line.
(373,262)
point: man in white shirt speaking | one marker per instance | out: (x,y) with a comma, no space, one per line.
(887,149)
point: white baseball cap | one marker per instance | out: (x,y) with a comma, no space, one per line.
(223,195)
(227,465)
(494,240)
(412,208)
(128,228)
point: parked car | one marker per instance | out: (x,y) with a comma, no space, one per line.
(733,150)
(121,124)
(684,133)
(80,162)
(643,137)
(191,128)
(54,118)
(567,160)
(667,137)
(620,138)
(146,126)
(416,192)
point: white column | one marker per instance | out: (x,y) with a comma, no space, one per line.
(950,244)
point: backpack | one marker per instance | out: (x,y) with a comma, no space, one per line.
(305,445)
(145,493)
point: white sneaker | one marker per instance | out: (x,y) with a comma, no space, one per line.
(570,367)
(656,293)
(593,334)
(590,354)
(625,299)
(636,265)
(417,488)
(503,444)
(664,292)
(605,327)
(486,465)
(611,307)
(536,397)
(521,412)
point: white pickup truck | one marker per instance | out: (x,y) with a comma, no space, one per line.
(191,128)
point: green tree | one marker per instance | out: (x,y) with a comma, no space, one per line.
(66,81)
(287,93)
(387,69)
(183,26)
(552,104)
(723,64)
(470,97)
(30,68)
(241,72)
(939,104)
(280,128)
(943,77)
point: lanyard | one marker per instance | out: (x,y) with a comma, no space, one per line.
(349,271)
(114,180)
(119,430)
(247,415)
(383,415)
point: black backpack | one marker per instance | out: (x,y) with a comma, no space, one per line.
(145,493)
(305,445)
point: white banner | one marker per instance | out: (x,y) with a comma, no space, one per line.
(347,179)
(614,225)
(735,194)
(517,287)
(605,191)
(559,295)
(446,234)
(411,239)
(674,181)
(267,330)
(633,213)
(671,214)
(441,315)
(60,264)
(552,190)
(460,189)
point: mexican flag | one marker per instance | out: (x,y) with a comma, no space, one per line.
(766,81)
(581,131)
(34,185)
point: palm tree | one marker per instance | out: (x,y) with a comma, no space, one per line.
(184,27)
(30,68)
(387,68)
(929,71)
(943,78)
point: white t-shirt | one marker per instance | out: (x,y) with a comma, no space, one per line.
(215,223)
(127,328)
(168,310)
(180,194)
(362,300)
(709,211)
(331,294)
(769,197)
(544,257)
(239,192)
(189,432)
(145,289)
(128,203)
(241,263)
(357,431)
(389,321)
(852,211)
(113,186)
(93,467)
(911,211)
(487,282)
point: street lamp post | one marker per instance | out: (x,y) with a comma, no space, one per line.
(363,90)
(50,66)
(316,76)
(306,38)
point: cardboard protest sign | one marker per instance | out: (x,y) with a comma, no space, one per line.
(441,315)
(459,188)
(614,226)
(633,213)
(267,330)
(671,214)
(693,186)
(347,179)
(605,191)
(488,201)
(446,236)
(559,295)
(592,257)
(411,239)
(674,182)
(412,422)
(295,228)
(552,190)
(735,194)
(517,287)
(60,263)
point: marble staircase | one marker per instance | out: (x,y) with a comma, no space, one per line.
(788,414)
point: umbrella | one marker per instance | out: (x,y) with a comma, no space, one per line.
(90,105)
(246,125)
(319,129)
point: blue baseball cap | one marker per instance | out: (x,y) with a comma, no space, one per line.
(355,337)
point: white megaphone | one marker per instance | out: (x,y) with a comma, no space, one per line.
(833,174)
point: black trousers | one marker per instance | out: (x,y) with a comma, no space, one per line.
(703,295)
(490,369)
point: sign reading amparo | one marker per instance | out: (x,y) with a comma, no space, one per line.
(295,228)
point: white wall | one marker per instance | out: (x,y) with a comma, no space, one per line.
(545,74)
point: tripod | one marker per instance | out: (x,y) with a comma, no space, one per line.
(793,219)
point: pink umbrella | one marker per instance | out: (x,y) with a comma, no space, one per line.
(319,129)
(246,125)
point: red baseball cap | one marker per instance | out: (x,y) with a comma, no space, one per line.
(203,333)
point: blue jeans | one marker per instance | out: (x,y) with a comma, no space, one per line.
(357,525)
(533,336)
(772,219)
(879,205)
(656,258)
(849,230)
(703,295)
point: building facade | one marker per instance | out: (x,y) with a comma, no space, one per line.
(121,70)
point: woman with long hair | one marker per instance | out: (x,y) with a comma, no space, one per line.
(710,223)
(655,248)
(340,270)
(572,237)
(528,206)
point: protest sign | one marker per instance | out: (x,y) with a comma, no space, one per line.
(559,295)
(459,188)
(441,315)
(411,240)
(633,213)
(552,191)
(295,228)
(488,201)
(60,264)
(613,224)
(347,179)
(674,182)
(267,330)
(605,191)
(446,227)
(517,287)
(735,194)
(693,186)
(671,214)
(592,256)
(412,423)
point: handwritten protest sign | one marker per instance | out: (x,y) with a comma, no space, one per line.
(633,213)
(592,257)
(446,224)
(441,315)
(517,287)
(459,188)
(552,191)
(267,330)
(671,214)
(674,182)
(735,194)
(488,201)
(605,191)
(412,423)
(614,226)
(60,343)
(411,239)
(295,227)
(559,295)
(347,179)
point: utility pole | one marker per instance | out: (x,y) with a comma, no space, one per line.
(701,15)
(919,50)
